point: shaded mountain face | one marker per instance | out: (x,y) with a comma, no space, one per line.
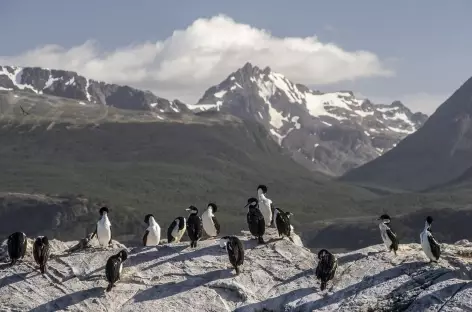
(73,86)
(327,132)
(438,152)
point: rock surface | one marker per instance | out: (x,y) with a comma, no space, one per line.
(278,276)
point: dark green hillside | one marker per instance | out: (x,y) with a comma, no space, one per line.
(162,168)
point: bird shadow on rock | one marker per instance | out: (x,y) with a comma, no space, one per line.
(298,275)
(172,288)
(12,279)
(213,250)
(328,299)
(66,301)
(406,294)
(140,255)
(441,296)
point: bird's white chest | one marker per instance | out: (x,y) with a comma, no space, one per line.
(208,224)
(426,246)
(385,238)
(103,232)
(154,235)
(176,233)
(264,207)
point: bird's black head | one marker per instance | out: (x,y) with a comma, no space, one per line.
(123,254)
(45,240)
(252,202)
(192,210)
(147,217)
(385,218)
(213,207)
(322,253)
(262,188)
(102,210)
(429,220)
(288,214)
(39,241)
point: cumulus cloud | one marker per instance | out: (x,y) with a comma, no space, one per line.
(185,64)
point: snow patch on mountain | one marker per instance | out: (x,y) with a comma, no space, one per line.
(351,130)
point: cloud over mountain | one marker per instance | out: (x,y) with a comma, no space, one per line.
(184,64)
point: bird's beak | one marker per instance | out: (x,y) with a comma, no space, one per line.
(246,205)
(188,209)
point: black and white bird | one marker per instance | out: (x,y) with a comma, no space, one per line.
(41,252)
(17,244)
(194,226)
(210,223)
(114,267)
(176,230)
(389,237)
(282,222)
(431,247)
(152,235)
(235,250)
(103,228)
(255,219)
(326,269)
(265,204)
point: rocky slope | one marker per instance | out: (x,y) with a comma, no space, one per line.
(438,152)
(70,85)
(329,132)
(275,277)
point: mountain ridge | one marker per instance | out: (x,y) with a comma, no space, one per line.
(330,132)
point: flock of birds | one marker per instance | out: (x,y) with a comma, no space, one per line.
(261,214)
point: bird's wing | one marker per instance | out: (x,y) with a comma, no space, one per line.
(169,231)
(112,270)
(435,247)
(217,225)
(145,237)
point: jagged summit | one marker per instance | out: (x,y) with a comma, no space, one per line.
(331,132)
(278,276)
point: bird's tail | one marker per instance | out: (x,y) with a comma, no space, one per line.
(323,285)
(110,286)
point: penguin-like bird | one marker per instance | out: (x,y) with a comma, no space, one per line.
(114,267)
(210,223)
(326,269)
(152,235)
(194,226)
(265,204)
(282,222)
(103,228)
(235,251)
(41,252)
(17,244)
(255,219)
(176,230)
(389,237)
(431,247)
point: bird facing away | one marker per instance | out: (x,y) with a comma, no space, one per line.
(114,267)
(389,237)
(176,230)
(41,252)
(103,228)
(255,219)
(326,269)
(152,235)
(17,244)
(282,222)
(265,204)
(235,250)
(431,247)
(210,223)
(194,226)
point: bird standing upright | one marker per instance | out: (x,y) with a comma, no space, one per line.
(194,226)
(17,244)
(152,235)
(41,252)
(431,247)
(326,268)
(389,237)
(114,267)
(103,228)
(255,219)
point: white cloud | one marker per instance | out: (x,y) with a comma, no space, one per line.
(185,64)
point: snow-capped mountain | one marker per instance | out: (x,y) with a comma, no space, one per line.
(71,85)
(329,132)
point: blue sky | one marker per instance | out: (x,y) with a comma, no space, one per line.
(425,44)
